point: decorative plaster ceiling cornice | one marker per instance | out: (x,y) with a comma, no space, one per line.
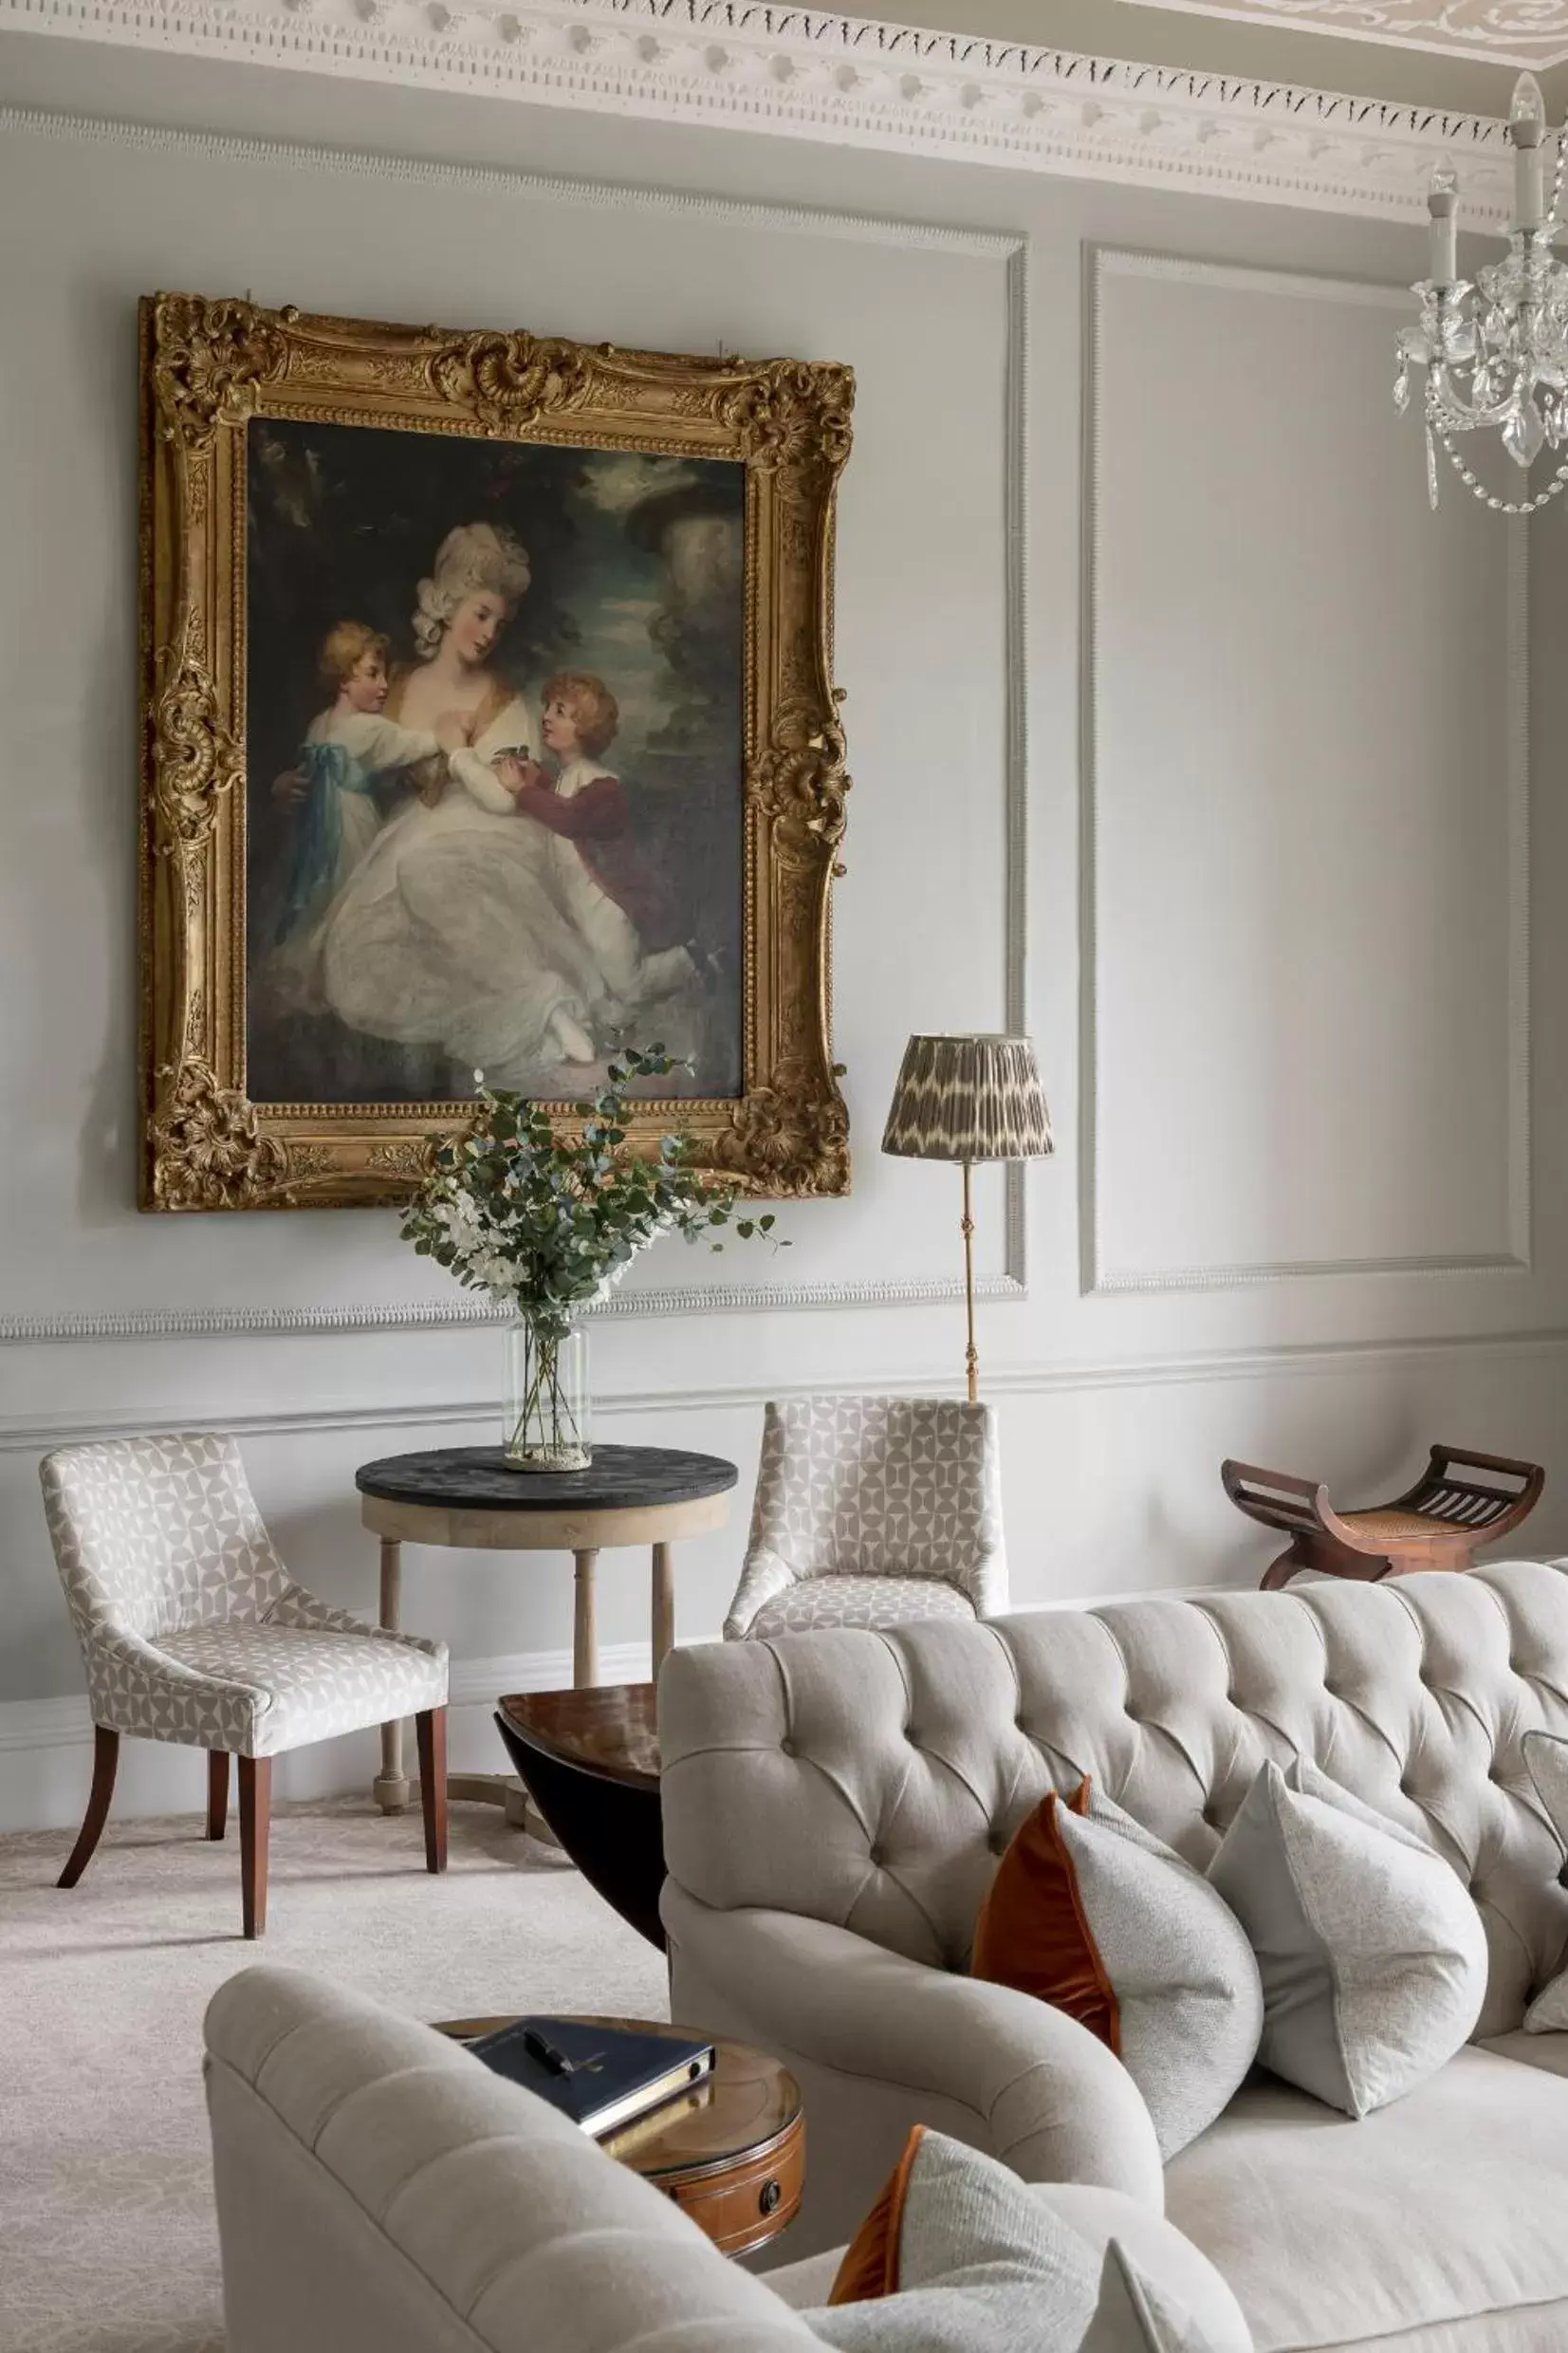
(741,65)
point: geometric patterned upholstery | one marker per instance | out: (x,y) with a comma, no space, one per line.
(857,1601)
(191,1629)
(869,1511)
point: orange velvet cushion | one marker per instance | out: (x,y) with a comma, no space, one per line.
(870,2267)
(1033,1933)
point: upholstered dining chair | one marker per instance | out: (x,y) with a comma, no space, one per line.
(192,1630)
(870,1510)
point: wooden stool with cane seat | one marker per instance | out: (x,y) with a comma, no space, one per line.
(1438,1524)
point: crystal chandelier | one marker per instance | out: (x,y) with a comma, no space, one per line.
(1496,352)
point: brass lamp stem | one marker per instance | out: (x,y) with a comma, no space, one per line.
(971,1354)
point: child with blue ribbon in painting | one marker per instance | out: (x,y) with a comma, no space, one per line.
(332,784)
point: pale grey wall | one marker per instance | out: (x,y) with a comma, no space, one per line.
(1117,1405)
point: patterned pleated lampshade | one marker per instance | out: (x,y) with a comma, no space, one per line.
(968,1099)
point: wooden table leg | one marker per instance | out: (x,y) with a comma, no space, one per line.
(584,1636)
(664,1604)
(391,1786)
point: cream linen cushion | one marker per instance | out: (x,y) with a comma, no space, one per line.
(985,2265)
(1372,1953)
(1188,1986)
(1133,2316)
(1162,2254)
(1546,1756)
(1092,1913)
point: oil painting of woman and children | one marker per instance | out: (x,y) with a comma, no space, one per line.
(494,757)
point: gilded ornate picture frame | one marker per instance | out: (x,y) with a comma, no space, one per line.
(487,722)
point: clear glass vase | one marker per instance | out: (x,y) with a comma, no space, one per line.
(546,1425)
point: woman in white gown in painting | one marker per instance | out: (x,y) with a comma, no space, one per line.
(449,931)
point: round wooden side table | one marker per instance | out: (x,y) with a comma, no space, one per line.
(732,2152)
(470,1497)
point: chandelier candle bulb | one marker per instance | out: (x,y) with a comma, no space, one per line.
(1528,128)
(1443,205)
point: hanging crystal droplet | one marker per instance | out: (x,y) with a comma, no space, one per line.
(1432,471)
(1524,434)
(1402,389)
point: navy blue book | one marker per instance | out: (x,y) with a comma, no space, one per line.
(600,2077)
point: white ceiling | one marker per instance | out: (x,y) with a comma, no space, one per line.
(1505,32)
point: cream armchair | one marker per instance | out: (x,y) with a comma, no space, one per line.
(377,2188)
(192,1630)
(870,1510)
(834,1805)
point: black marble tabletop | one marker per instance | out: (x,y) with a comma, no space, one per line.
(479,1478)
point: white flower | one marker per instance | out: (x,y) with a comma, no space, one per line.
(607,1282)
(460,1220)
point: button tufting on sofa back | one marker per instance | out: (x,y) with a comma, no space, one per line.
(870,1779)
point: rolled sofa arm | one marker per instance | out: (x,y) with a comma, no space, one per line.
(1048,2097)
(379,2187)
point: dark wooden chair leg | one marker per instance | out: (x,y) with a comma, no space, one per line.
(255,1827)
(218,1792)
(105,1758)
(430,1728)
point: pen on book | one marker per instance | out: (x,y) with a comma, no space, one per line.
(545,2052)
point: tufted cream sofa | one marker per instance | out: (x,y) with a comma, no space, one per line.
(834,1804)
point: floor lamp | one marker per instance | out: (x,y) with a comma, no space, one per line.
(968,1099)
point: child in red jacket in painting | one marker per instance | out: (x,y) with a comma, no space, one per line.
(618,901)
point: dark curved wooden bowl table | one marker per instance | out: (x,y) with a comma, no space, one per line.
(590,1761)
(465,1496)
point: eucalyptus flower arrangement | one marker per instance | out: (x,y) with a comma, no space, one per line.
(546,1224)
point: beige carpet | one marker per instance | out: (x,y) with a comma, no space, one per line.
(107,2237)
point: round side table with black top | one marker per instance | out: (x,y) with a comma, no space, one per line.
(731,2152)
(469,1497)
